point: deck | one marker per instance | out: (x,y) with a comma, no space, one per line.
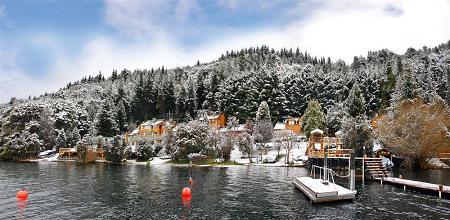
(412,184)
(319,192)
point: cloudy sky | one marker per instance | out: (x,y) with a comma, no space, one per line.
(46,43)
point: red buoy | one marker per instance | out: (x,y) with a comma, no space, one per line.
(186,193)
(22,195)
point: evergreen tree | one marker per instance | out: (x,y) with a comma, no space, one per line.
(191,101)
(121,116)
(200,92)
(139,101)
(406,88)
(181,105)
(314,118)
(263,112)
(355,101)
(106,122)
(389,84)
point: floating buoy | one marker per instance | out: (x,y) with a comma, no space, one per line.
(190,181)
(22,195)
(186,193)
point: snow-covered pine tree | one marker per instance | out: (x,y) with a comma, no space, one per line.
(355,101)
(106,122)
(314,118)
(180,104)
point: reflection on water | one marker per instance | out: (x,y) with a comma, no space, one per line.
(101,191)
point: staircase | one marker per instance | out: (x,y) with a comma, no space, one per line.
(375,168)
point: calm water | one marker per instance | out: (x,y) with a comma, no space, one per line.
(101,191)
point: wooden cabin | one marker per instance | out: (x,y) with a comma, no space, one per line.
(317,142)
(158,127)
(217,121)
(294,124)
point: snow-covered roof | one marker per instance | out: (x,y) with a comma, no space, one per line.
(212,117)
(134,132)
(377,146)
(237,128)
(317,131)
(280,126)
(296,119)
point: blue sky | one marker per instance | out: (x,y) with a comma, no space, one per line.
(46,43)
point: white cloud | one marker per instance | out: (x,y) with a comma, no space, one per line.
(152,32)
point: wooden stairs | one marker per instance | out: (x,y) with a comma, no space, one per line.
(375,168)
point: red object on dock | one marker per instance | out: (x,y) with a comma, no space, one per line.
(186,193)
(22,195)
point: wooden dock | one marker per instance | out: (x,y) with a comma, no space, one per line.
(416,185)
(319,191)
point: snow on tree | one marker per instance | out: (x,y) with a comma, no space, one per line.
(61,139)
(144,150)
(73,137)
(245,143)
(263,112)
(190,137)
(115,151)
(168,142)
(355,101)
(314,118)
(356,134)
(105,122)
(334,117)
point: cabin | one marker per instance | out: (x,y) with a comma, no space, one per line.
(216,121)
(292,124)
(152,130)
(317,143)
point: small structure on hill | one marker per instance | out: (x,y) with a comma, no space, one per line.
(152,130)
(292,124)
(216,120)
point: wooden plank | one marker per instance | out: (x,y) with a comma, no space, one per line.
(416,184)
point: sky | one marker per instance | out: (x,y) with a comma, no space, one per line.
(44,44)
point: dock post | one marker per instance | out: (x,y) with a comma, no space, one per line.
(382,180)
(441,188)
(352,171)
(363,161)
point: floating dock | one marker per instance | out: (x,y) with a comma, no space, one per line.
(412,184)
(319,191)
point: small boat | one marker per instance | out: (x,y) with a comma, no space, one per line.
(47,154)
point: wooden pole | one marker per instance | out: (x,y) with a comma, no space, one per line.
(441,188)
(363,161)
(352,171)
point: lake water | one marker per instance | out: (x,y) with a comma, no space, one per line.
(102,191)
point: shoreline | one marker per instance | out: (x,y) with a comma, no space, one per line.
(165,162)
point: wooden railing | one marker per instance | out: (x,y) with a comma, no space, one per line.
(67,151)
(330,152)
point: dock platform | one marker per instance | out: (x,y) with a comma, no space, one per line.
(412,184)
(319,192)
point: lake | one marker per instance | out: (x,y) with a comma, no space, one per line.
(102,191)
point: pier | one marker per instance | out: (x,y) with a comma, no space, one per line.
(441,190)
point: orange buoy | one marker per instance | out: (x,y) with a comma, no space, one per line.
(22,195)
(186,193)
